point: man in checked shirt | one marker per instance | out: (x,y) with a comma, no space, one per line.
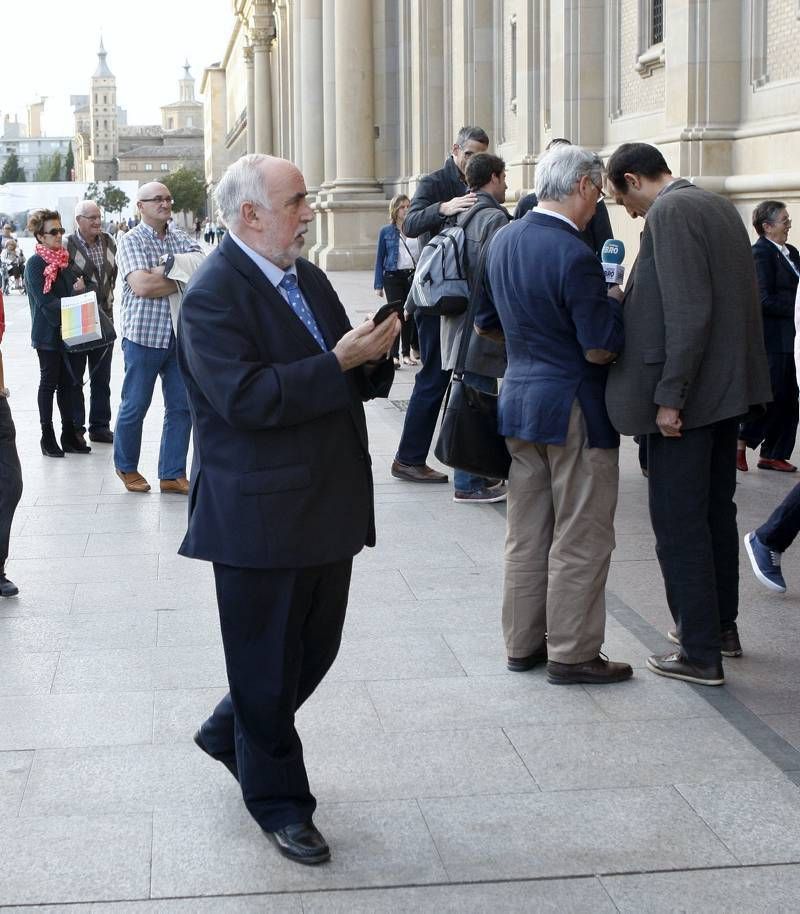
(148,345)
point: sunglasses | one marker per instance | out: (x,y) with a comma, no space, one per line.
(54,232)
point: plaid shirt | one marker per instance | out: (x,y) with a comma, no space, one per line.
(147,321)
(95,251)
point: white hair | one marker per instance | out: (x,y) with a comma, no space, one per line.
(560,169)
(243,182)
(81,205)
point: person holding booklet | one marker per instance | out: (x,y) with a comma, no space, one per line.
(48,279)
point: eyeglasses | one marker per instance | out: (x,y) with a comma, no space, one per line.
(786,222)
(90,218)
(600,194)
(156,200)
(54,232)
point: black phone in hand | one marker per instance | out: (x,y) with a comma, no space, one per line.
(392,307)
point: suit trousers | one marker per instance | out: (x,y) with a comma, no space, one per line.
(778,532)
(281,630)
(692,481)
(430,386)
(776,430)
(560,535)
(10,478)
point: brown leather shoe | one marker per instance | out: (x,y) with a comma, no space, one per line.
(422,473)
(781,466)
(597,671)
(741,461)
(179,486)
(134,482)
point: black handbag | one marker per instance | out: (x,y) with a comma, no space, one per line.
(468,437)
(106,328)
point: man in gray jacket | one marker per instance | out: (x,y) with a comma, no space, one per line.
(486,358)
(693,365)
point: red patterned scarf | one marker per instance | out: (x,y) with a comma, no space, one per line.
(56,259)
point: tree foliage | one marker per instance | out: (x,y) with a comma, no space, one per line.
(69,164)
(188,190)
(50,168)
(109,198)
(12,170)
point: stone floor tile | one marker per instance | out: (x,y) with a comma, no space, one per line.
(478,701)
(404,617)
(186,627)
(404,657)
(26,674)
(566,833)
(430,582)
(233,904)
(176,568)
(649,697)
(435,554)
(224,851)
(369,588)
(341,707)
(14,768)
(387,766)
(45,721)
(177,713)
(751,890)
(32,634)
(74,858)
(112,596)
(638,753)
(787,725)
(125,779)
(104,631)
(38,546)
(759,821)
(149,668)
(36,599)
(138,543)
(93,570)
(548,896)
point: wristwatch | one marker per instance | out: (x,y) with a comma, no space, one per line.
(4,392)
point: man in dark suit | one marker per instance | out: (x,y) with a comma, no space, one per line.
(93,255)
(693,364)
(440,197)
(777,269)
(281,494)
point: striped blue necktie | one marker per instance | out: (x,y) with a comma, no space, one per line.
(301,309)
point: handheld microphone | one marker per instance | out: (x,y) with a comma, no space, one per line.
(611,257)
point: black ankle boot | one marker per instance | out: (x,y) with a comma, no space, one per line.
(49,444)
(72,442)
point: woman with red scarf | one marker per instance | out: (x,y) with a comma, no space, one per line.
(48,279)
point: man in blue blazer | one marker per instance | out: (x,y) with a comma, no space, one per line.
(281,493)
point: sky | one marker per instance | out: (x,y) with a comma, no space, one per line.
(50,48)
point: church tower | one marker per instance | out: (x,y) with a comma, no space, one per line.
(103,110)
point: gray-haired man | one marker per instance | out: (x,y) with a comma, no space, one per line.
(93,254)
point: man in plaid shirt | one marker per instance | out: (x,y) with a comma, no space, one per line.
(148,344)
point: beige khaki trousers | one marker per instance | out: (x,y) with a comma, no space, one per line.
(560,535)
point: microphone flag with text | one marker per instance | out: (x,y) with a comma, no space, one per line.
(611,257)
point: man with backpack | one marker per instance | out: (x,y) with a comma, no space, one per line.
(439,199)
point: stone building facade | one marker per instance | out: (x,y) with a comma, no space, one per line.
(107,148)
(367,95)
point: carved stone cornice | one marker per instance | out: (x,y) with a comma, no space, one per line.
(262,38)
(247,52)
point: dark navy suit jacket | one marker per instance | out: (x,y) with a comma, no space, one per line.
(282,474)
(548,290)
(777,288)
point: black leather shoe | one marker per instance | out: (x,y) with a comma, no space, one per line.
(301,842)
(678,666)
(102,436)
(73,442)
(730,645)
(597,671)
(227,761)
(523,664)
(7,588)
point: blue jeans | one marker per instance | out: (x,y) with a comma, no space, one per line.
(462,481)
(143,365)
(430,386)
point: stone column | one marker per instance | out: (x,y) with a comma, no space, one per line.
(309,14)
(251,98)
(262,34)
(355,206)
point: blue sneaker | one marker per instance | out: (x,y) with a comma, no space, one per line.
(766,563)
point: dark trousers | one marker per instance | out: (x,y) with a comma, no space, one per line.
(396,286)
(430,386)
(776,430)
(10,478)
(281,630)
(99,361)
(692,480)
(783,525)
(56,379)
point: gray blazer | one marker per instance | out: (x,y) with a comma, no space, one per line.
(693,331)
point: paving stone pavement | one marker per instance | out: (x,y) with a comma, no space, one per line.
(445,783)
